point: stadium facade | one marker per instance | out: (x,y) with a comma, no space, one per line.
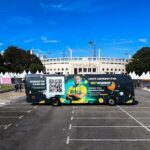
(84,65)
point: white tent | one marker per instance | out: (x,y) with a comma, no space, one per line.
(148,75)
(6,75)
(134,76)
(23,74)
(41,72)
(37,72)
(145,76)
(29,72)
(1,74)
(11,75)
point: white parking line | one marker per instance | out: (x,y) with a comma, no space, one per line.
(106,118)
(107,126)
(100,106)
(103,111)
(97,118)
(105,107)
(134,119)
(98,110)
(29,111)
(107,140)
(67,141)
(70,126)
(20,117)
(72,118)
(35,107)
(7,126)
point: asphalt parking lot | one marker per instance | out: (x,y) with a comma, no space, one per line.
(78,127)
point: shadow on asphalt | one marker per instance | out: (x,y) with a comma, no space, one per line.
(96,104)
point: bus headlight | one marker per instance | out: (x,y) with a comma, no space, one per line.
(121,93)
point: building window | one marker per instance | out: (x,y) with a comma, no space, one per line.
(89,69)
(66,69)
(111,69)
(62,69)
(107,69)
(80,69)
(94,69)
(115,69)
(85,69)
(122,69)
(119,69)
(103,69)
(58,69)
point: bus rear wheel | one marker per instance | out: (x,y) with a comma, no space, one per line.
(55,101)
(111,102)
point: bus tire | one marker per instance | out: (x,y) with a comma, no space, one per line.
(111,102)
(55,101)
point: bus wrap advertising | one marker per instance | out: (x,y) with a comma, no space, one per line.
(80,89)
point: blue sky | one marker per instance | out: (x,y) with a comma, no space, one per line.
(119,27)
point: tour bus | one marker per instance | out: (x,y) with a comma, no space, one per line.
(79,89)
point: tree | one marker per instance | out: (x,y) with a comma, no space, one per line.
(2,67)
(34,67)
(140,61)
(17,60)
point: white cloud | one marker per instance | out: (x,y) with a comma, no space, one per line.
(1,44)
(117,42)
(19,20)
(51,41)
(46,40)
(43,38)
(59,6)
(74,5)
(122,41)
(28,41)
(143,40)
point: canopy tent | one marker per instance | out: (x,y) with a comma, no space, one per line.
(5,79)
(134,76)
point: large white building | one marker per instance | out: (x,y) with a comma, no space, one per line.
(84,65)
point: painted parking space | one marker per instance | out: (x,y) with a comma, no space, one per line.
(12,113)
(76,127)
(107,126)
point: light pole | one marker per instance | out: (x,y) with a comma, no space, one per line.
(94,50)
